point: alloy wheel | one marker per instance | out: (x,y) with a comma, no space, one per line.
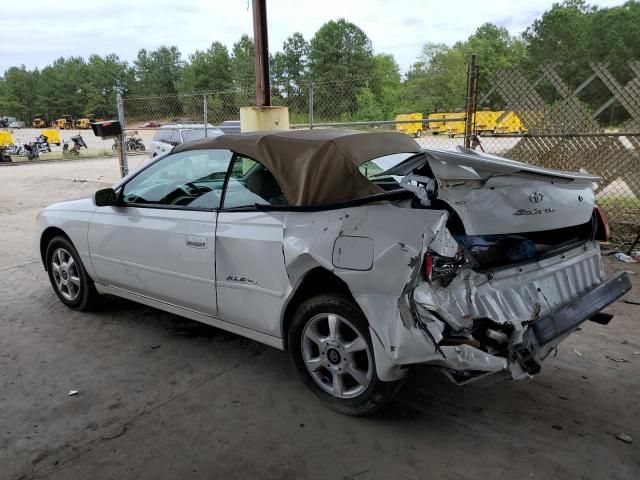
(66,275)
(336,355)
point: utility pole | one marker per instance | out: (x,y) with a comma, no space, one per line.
(263,116)
(261,43)
(472,79)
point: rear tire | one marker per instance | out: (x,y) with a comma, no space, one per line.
(330,347)
(68,277)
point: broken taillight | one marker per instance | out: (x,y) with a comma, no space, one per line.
(428,266)
(602,229)
(437,267)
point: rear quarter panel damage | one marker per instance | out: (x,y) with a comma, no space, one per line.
(408,315)
(381,284)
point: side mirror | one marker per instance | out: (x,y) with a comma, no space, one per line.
(104,198)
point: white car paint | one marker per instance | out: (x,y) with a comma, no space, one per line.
(163,254)
(237,270)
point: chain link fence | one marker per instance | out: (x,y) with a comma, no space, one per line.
(171,119)
(550,118)
(547,116)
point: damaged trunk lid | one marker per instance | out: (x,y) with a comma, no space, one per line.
(494,195)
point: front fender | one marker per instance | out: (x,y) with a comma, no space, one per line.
(70,219)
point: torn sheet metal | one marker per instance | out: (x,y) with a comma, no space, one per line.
(378,251)
(516,294)
(399,235)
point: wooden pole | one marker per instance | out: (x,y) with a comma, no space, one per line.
(263,90)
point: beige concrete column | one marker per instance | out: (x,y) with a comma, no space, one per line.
(253,119)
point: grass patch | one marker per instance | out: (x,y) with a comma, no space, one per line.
(619,203)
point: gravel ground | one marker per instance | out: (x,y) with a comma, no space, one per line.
(161,397)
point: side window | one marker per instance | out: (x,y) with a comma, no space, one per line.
(192,180)
(192,134)
(250,183)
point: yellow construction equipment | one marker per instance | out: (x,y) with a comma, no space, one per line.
(509,122)
(414,128)
(65,122)
(53,136)
(436,127)
(6,138)
(39,122)
(485,122)
(85,123)
(454,123)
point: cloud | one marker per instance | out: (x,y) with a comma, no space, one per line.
(123,27)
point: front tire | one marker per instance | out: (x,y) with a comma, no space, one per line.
(330,346)
(68,277)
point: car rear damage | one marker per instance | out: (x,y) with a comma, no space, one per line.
(526,272)
(506,321)
(482,272)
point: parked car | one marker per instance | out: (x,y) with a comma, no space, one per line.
(230,126)
(360,253)
(169,136)
(15,123)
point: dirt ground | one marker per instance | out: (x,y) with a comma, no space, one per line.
(161,397)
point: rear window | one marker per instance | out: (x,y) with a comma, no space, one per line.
(373,168)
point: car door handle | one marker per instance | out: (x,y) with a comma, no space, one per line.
(196,242)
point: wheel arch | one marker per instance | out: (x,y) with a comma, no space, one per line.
(316,281)
(49,234)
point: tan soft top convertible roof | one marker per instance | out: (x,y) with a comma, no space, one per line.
(313,167)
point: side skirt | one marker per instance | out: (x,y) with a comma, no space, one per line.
(270,340)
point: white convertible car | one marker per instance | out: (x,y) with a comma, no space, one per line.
(360,253)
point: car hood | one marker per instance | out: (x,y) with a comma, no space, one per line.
(84,204)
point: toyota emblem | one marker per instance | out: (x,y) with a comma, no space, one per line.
(536,197)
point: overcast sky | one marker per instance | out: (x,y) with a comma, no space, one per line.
(35,32)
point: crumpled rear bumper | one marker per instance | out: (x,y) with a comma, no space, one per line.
(527,309)
(544,333)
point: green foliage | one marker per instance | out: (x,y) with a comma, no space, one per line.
(573,34)
(158,72)
(62,88)
(340,62)
(380,98)
(289,70)
(437,81)
(18,86)
(349,81)
(106,77)
(243,63)
(207,71)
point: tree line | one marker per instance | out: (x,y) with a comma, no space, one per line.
(350,81)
